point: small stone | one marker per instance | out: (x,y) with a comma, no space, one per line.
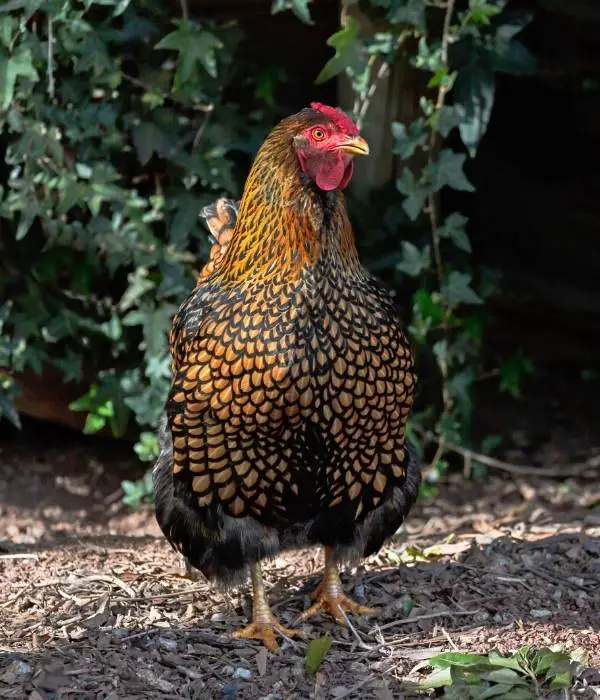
(168,644)
(541,614)
(244,673)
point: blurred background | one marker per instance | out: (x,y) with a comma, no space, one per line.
(479,207)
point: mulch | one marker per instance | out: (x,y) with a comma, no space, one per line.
(94,604)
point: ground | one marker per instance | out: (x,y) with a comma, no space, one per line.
(93,603)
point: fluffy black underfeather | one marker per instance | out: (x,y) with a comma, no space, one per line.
(222,547)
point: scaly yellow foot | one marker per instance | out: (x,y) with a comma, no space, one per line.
(330,597)
(266,632)
(264,625)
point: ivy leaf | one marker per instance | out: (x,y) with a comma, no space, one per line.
(513,24)
(184,221)
(414,191)
(429,306)
(409,139)
(454,229)
(446,119)
(344,43)
(512,372)
(474,98)
(195,46)
(7,408)
(513,58)
(298,7)
(316,652)
(448,170)
(147,139)
(414,261)
(409,12)
(457,289)
(10,69)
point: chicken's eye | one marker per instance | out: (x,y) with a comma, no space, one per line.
(318,134)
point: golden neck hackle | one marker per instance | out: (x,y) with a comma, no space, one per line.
(284,225)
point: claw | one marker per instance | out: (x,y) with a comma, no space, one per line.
(266,632)
(330,597)
(334,604)
(264,626)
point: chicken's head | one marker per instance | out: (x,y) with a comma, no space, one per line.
(326,147)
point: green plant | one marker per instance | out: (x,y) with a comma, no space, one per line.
(461,51)
(524,675)
(109,151)
(137,493)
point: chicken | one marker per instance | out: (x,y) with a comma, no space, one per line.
(292,382)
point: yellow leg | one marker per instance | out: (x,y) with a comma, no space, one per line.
(330,596)
(264,625)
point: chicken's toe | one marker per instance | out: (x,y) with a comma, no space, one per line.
(266,632)
(335,605)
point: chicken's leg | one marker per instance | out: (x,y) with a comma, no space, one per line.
(264,625)
(330,596)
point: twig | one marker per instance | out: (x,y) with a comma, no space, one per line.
(553,578)
(526,469)
(50,70)
(185,13)
(428,616)
(154,630)
(362,105)
(449,638)
(166,95)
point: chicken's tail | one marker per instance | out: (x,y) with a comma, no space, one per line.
(220,218)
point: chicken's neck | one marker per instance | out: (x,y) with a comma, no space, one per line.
(286,224)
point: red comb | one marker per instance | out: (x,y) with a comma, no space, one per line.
(335,115)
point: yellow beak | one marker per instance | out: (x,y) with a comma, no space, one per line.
(356,146)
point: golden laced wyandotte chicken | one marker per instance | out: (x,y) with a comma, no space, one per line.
(292,381)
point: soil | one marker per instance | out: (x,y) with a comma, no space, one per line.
(94,603)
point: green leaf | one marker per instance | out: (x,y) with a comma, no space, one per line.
(448,170)
(415,193)
(414,261)
(488,444)
(148,139)
(410,12)
(21,64)
(513,58)
(458,658)
(316,652)
(508,676)
(429,307)
(445,119)
(185,220)
(454,229)
(7,407)
(298,7)
(139,284)
(408,140)
(195,46)
(507,692)
(438,678)
(147,447)
(344,43)
(93,423)
(474,97)
(457,289)
(27,219)
(513,371)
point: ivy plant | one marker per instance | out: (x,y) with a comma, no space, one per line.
(110,148)
(461,48)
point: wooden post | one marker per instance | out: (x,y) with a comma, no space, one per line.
(396,98)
